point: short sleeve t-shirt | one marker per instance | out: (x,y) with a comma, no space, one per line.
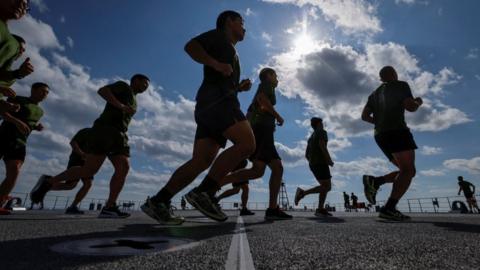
(466,187)
(111,115)
(314,154)
(9,49)
(256,115)
(29,113)
(386,103)
(81,138)
(215,85)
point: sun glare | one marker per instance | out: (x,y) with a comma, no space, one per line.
(304,44)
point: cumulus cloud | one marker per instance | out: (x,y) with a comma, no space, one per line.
(249,12)
(351,16)
(432,172)
(472,54)
(40,5)
(334,81)
(70,42)
(466,165)
(430,150)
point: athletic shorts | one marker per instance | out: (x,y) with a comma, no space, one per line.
(265,150)
(213,121)
(104,140)
(469,195)
(320,171)
(10,149)
(396,141)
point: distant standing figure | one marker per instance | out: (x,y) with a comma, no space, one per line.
(354,201)
(346,200)
(469,192)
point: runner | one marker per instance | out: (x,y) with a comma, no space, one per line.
(386,110)
(218,117)
(262,116)
(14,132)
(107,138)
(469,192)
(319,161)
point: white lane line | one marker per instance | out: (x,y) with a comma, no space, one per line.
(239,255)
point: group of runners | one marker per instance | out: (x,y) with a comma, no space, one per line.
(219,119)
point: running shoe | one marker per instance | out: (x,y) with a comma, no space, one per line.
(112,212)
(161,212)
(322,213)
(246,212)
(40,189)
(73,210)
(369,188)
(392,215)
(206,205)
(276,214)
(298,195)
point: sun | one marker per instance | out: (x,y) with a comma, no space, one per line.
(304,44)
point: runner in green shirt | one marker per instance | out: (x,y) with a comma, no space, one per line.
(14,132)
(386,109)
(319,161)
(107,138)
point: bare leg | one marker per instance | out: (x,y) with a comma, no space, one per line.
(228,193)
(65,186)
(92,165)
(326,186)
(12,168)
(121,166)
(241,135)
(275,181)
(245,191)
(87,184)
(406,164)
(256,171)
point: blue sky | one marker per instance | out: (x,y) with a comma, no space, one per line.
(327,54)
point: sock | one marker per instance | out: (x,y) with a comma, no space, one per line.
(163,196)
(378,181)
(209,186)
(391,204)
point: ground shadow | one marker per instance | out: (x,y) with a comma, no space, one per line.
(450,226)
(327,219)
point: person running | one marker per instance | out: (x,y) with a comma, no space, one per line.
(77,158)
(346,202)
(10,49)
(319,160)
(469,192)
(14,132)
(386,110)
(107,138)
(354,201)
(262,117)
(236,187)
(218,117)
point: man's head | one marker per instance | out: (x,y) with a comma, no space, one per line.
(316,122)
(388,74)
(460,178)
(268,75)
(13,9)
(39,91)
(22,45)
(231,21)
(139,83)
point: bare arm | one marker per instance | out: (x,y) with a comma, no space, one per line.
(21,126)
(25,69)
(367,115)
(412,104)
(459,190)
(325,152)
(267,106)
(106,93)
(195,50)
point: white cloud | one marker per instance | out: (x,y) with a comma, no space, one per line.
(292,157)
(40,4)
(63,19)
(432,172)
(472,54)
(357,168)
(430,150)
(467,165)
(249,12)
(36,33)
(411,2)
(351,16)
(267,37)
(334,81)
(70,42)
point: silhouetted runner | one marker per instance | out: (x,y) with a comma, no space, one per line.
(469,193)
(386,110)
(346,201)
(218,117)
(107,138)
(14,132)
(319,161)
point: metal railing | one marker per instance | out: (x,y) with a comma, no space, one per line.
(411,205)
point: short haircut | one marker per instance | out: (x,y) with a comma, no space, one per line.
(460,178)
(222,18)
(265,72)
(139,76)
(314,121)
(385,71)
(19,38)
(39,84)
